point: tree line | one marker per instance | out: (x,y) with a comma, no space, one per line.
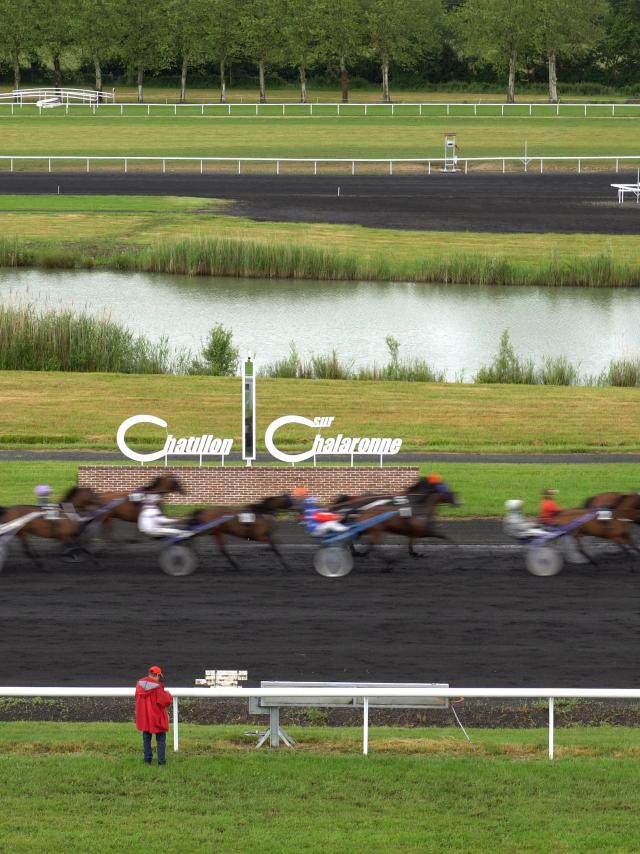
(152,36)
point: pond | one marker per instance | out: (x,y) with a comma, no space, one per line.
(455,328)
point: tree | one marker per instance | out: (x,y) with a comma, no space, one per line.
(568,28)
(58,32)
(343,35)
(261,29)
(145,42)
(188,34)
(624,40)
(401,31)
(18,33)
(223,35)
(302,24)
(500,32)
(98,32)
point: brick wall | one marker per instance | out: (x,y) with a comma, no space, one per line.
(236,485)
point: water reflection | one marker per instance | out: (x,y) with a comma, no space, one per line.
(454,327)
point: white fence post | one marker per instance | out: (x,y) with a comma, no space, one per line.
(551,724)
(365,727)
(176,724)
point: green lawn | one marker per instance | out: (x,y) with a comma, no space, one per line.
(83,788)
(83,410)
(374,136)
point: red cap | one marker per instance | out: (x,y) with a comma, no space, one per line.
(157,671)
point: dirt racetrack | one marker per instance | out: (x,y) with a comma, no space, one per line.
(476,202)
(467,615)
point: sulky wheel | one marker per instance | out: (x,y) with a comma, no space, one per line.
(178,560)
(333,561)
(544,560)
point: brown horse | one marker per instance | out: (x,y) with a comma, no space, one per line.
(124,507)
(415,524)
(254,522)
(65,524)
(622,504)
(418,493)
(613,527)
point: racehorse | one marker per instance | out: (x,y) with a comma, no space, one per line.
(614,528)
(254,522)
(126,508)
(622,504)
(64,524)
(418,493)
(416,524)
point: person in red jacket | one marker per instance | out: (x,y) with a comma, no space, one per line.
(549,508)
(151,713)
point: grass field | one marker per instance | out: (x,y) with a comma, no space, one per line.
(140,232)
(160,135)
(84,787)
(84,410)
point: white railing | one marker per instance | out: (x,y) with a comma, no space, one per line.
(427,109)
(549,694)
(427,164)
(22,97)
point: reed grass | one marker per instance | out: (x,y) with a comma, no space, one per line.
(48,340)
(44,339)
(273,259)
(621,372)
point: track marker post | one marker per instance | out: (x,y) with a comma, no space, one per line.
(248,412)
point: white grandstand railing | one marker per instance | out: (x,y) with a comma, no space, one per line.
(338,108)
(427,162)
(28,97)
(549,694)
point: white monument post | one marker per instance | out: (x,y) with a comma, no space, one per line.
(248,411)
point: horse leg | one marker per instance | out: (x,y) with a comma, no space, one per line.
(412,550)
(221,546)
(581,549)
(376,540)
(625,541)
(274,548)
(77,546)
(359,548)
(26,548)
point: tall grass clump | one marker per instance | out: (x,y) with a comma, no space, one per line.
(558,371)
(329,367)
(507,367)
(32,339)
(404,370)
(621,372)
(247,259)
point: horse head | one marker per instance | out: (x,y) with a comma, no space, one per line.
(445,495)
(274,504)
(82,498)
(164,485)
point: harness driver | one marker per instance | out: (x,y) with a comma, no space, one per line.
(151,520)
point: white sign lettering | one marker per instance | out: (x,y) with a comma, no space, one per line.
(375,446)
(201,446)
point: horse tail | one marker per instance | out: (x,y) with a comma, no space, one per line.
(3,510)
(589,501)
